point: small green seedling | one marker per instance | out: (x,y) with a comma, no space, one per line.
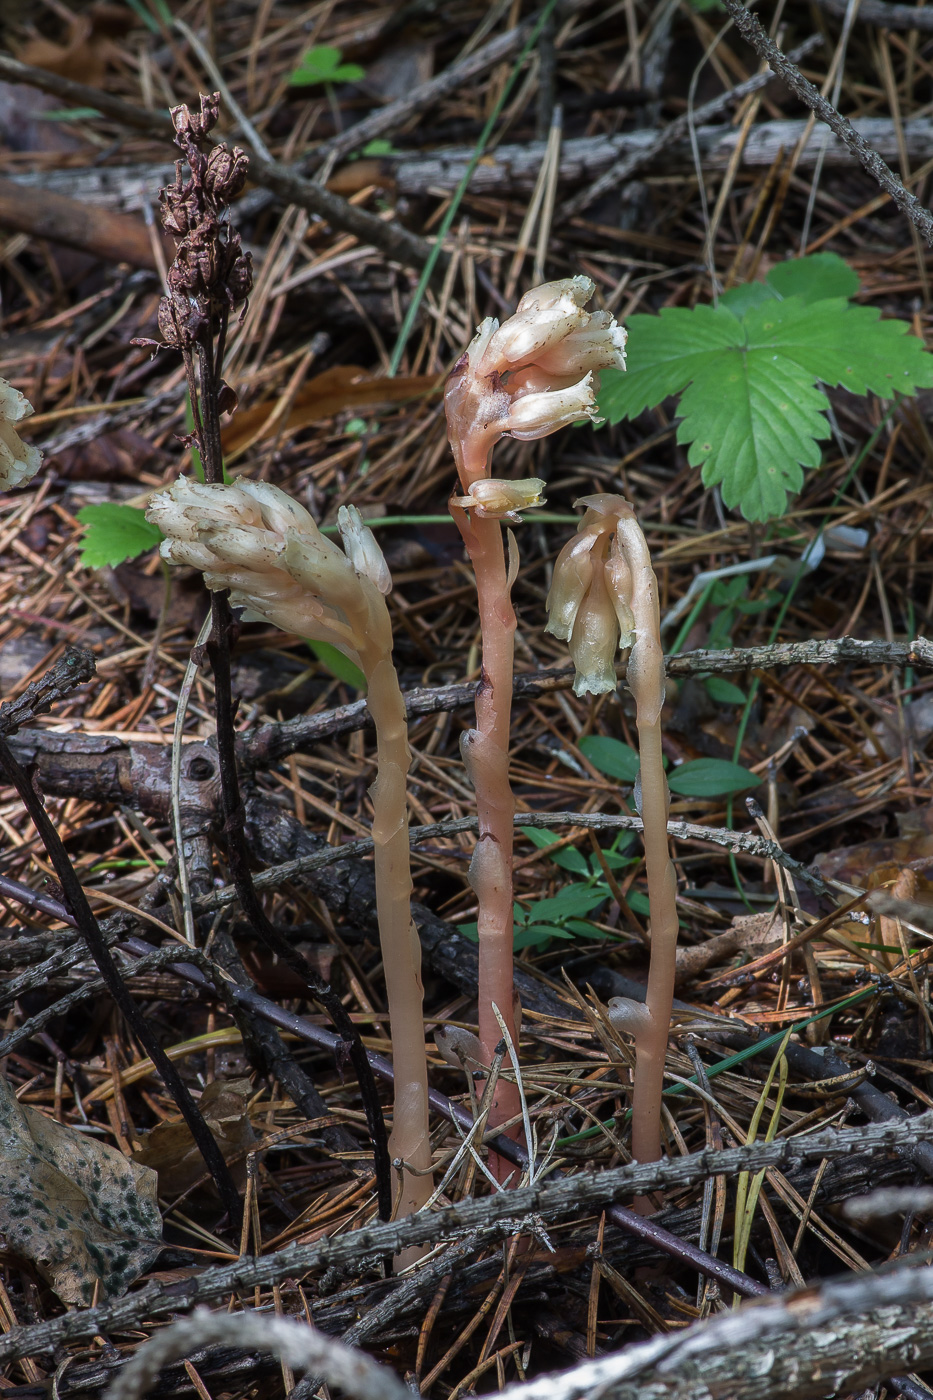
(323,64)
(564,915)
(700,777)
(747,373)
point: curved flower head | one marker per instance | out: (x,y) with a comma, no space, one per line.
(532,375)
(19,461)
(590,600)
(252,539)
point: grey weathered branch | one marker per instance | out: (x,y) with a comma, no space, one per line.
(295,1343)
(270,742)
(811,1342)
(884,15)
(627,162)
(735,841)
(749,27)
(514,1211)
(391,239)
(602,162)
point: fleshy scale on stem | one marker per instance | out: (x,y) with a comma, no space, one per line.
(535,373)
(254,540)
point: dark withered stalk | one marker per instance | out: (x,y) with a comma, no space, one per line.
(79,907)
(209,279)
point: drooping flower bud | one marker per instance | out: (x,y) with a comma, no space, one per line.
(19,461)
(361,548)
(590,599)
(495,499)
(537,415)
(544,317)
(252,539)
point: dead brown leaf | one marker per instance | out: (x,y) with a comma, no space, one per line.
(170,1149)
(73,1206)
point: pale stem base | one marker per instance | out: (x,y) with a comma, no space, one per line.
(401,949)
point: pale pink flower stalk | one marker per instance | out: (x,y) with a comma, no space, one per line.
(524,379)
(604,596)
(254,540)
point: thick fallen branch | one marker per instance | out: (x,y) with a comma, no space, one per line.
(602,162)
(106,234)
(812,1342)
(391,239)
(515,1211)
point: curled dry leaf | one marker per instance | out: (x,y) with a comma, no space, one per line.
(171,1152)
(73,1206)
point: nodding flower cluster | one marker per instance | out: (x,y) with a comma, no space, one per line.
(254,540)
(210,272)
(18,460)
(535,373)
(590,601)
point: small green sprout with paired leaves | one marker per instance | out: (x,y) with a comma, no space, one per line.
(747,373)
(324,64)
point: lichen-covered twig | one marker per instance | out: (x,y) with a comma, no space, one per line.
(76,667)
(296,1344)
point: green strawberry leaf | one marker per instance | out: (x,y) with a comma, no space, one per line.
(114,533)
(664,353)
(747,372)
(814,278)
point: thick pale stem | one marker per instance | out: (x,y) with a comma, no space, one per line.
(401,948)
(487,753)
(645,675)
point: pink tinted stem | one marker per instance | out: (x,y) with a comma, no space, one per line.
(491,869)
(645,676)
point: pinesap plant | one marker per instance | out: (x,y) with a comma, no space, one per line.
(748,374)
